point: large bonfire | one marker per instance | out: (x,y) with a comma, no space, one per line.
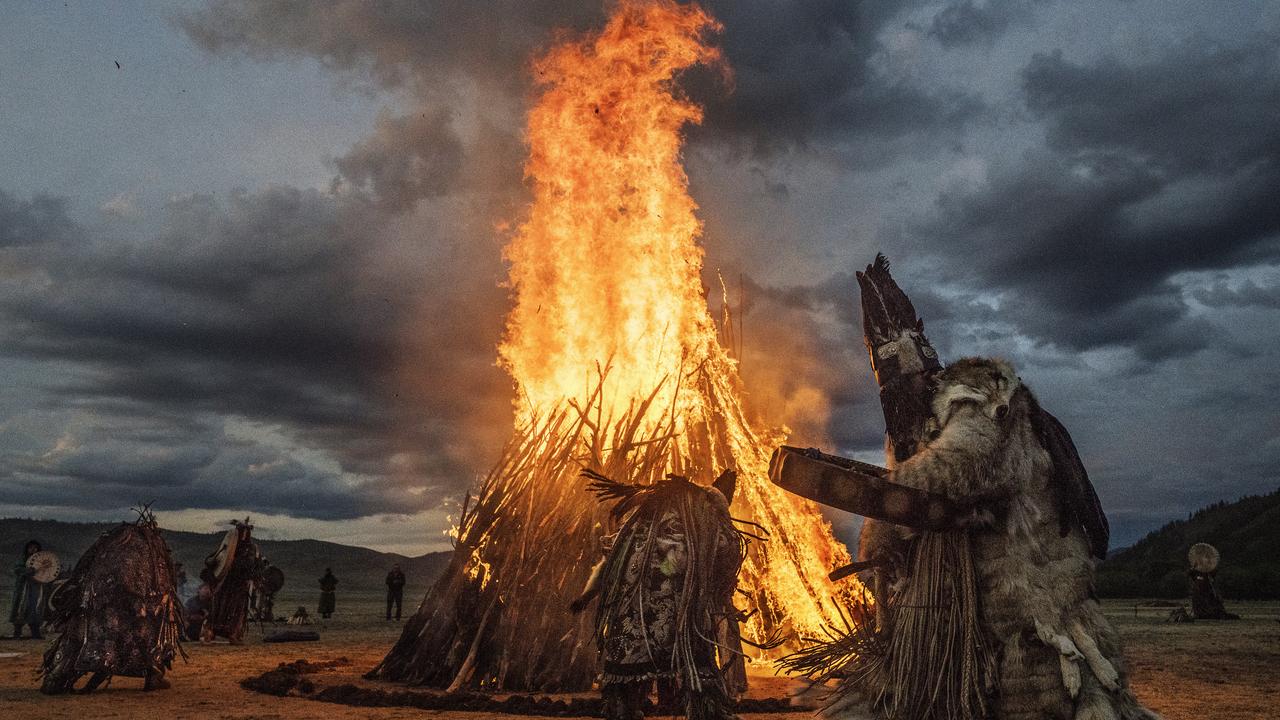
(618,368)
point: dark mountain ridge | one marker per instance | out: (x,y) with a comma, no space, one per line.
(303,561)
(1246,532)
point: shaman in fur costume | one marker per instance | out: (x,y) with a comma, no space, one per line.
(666,586)
(118,613)
(1059,658)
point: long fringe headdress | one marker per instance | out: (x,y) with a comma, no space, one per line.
(701,597)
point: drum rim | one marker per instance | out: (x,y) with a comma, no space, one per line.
(1211,557)
(43,560)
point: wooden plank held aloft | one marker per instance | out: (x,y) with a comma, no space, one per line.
(852,568)
(864,489)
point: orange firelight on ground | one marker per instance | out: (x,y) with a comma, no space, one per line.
(606,271)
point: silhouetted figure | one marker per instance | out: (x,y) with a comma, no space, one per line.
(395,590)
(28,594)
(231,573)
(328,599)
(182,582)
(1206,603)
(197,612)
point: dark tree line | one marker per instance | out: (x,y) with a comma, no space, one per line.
(1246,532)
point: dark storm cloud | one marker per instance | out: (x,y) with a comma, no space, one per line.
(967,22)
(1199,107)
(39,220)
(292,310)
(234,281)
(109,460)
(1155,167)
(1248,294)
(194,465)
(803,71)
(395,43)
(405,160)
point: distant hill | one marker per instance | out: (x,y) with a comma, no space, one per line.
(303,561)
(1246,533)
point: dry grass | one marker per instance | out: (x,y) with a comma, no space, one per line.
(1187,672)
(1206,669)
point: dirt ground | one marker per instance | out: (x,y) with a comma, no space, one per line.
(1184,671)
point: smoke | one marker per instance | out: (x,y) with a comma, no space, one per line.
(407,159)
(804,73)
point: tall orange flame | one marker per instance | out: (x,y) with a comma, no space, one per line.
(606,271)
(606,267)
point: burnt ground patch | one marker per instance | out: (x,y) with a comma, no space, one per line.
(299,679)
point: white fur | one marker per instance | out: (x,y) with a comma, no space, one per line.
(1032,580)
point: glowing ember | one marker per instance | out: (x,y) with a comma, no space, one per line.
(607,272)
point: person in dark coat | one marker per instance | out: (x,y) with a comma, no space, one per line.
(328,600)
(197,612)
(395,590)
(183,590)
(28,595)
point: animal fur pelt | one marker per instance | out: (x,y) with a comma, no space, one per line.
(118,613)
(1030,566)
(1060,658)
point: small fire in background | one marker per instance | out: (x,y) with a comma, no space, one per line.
(618,368)
(606,273)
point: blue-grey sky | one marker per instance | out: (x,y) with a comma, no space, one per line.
(256,267)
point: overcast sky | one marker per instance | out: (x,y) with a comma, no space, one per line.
(250,251)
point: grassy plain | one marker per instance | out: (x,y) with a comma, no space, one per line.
(1227,670)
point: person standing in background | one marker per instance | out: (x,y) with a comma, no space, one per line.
(183,592)
(197,612)
(28,595)
(395,590)
(328,600)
